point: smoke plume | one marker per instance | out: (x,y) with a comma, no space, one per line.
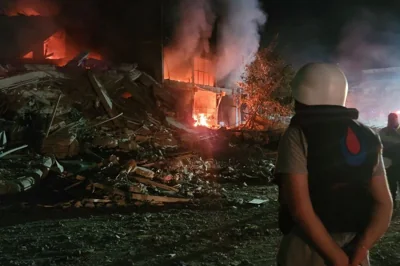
(372,40)
(369,40)
(191,37)
(238,36)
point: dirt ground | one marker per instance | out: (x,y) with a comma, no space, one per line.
(236,233)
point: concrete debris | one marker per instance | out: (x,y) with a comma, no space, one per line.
(258,201)
(28,78)
(110,140)
(37,67)
(14,183)
(61,145)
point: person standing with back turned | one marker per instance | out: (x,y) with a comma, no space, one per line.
(390,136)
(333,192)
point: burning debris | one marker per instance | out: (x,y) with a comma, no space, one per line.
(104,136)
(46,39)
(209,55)
(189,57)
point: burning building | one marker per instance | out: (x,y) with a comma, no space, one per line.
(200,64)
(207,55)
(39,31)
(200,98)
(34,36)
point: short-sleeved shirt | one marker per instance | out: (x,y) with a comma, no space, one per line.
(292,154)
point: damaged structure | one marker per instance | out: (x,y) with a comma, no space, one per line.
(55,40)
(201,99)
(107,131)
(127,133)
(57,37)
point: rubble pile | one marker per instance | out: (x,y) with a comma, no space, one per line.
(104,135)
(251,171)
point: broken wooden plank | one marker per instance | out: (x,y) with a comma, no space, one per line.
(124,67)
(155,184)
(78,59)
(101,92)
(130,166)
(53,115)
(137,188)
(148,80)
(143,197)
(96,200)
(108,120)
(103,96)
(155,164)
(73,185)
(112,190)
(144,172)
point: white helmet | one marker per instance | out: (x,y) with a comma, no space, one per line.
(320,84)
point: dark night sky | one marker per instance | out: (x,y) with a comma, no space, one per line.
(356,34)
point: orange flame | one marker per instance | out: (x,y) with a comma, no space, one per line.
(28,55)
(197,70)
(54,46)
(201,120)
(96,56)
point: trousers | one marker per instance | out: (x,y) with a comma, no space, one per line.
(295,250)
(393,176)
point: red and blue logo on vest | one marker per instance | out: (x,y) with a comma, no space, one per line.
(353,148)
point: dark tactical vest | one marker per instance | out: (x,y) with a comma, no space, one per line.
(341,156)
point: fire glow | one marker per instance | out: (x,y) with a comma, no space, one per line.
(201,120)
(46,8)
(26,11)
(55,48)
(197,70)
